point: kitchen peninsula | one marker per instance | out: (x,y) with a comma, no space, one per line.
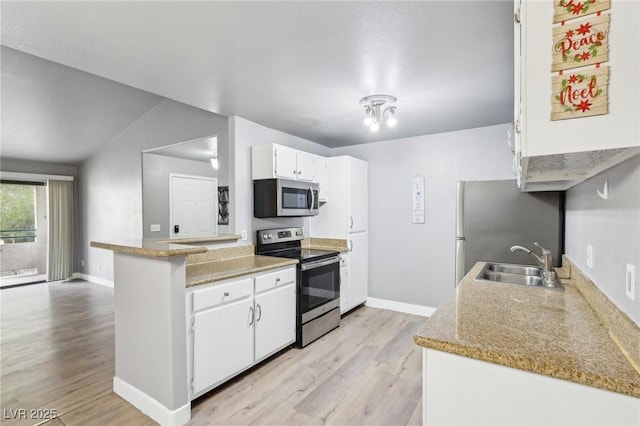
(151,281)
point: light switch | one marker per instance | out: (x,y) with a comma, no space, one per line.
(589,256)
(630,282)
(155,227)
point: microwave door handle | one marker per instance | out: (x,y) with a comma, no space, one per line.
(313,198)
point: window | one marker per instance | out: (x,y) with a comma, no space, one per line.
(17,213)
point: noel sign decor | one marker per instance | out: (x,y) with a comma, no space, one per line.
(580,93)
(580,46)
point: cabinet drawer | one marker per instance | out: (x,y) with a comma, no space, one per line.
(222,293)
(275,279)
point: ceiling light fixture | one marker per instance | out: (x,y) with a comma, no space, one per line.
(378,109)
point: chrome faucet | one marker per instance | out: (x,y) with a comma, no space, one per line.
(545,261)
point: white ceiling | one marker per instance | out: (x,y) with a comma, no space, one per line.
(299,67)
(57,114)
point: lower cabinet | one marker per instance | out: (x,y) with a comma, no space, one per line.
(221,352)
(274,328)
(358,276)
(237,323)
(465,391)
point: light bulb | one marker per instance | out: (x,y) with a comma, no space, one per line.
(368,120)
(374,127)
(392,121)
(214,163)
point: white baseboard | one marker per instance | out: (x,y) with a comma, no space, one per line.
(150,406)
(93,279)
(407,308)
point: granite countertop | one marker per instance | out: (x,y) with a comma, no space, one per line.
(148,248)
(214,238)
(206,272)
(555,333)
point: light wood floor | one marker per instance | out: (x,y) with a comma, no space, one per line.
(58,353)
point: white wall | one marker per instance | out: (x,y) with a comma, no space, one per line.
(612,227)
(155,188)
(415,263)
(242,135)
(110,181)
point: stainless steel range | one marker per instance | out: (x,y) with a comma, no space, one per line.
(318,284)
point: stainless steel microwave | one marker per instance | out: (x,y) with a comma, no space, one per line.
(284,198)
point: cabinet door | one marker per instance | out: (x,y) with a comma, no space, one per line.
(357,196)
(222,343)
(344,283)
(285,162)
(322,169)
(306,166)
(358,277)
(275,320)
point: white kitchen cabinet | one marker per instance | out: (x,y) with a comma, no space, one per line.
(345,218)
(483,393)
(222,343)
(358,269)
(322,169)
(274,327)
(555,155)
(270,161)
(347,211)
(237,323)
(344,283)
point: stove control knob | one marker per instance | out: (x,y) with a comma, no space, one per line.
(298,233)
(269,236)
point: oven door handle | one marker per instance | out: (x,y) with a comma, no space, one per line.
(320,263)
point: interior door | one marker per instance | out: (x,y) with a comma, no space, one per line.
(194,206)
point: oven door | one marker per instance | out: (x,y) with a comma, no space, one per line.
(319,288)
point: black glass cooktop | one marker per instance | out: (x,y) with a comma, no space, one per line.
(302,254)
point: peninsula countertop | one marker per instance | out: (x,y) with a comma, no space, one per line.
(149,248)
(554,333)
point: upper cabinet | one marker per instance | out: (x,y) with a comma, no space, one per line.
(277,161)
(322,169)
(346,213)
(557,154)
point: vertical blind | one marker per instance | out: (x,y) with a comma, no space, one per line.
(60,230)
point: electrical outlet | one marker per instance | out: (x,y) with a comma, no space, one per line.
(155,227)
(244,235)
(82,262)
(630,285)
(589,256)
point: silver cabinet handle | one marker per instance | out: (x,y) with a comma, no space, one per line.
(251,317)
(350,245)
(277,280)
(350,222)
(259,309)
(226,293)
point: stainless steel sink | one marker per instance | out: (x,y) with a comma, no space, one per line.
(515,274)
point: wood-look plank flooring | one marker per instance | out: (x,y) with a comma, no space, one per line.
(57,347)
